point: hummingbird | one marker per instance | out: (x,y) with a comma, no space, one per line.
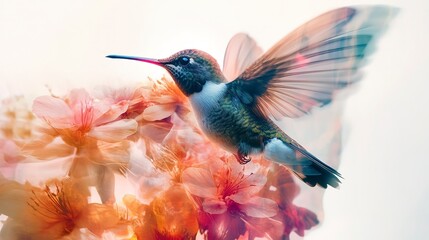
(235,107)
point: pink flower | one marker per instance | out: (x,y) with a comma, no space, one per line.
(152,106)
(133,96)
(227,196)
(93,128)
(80,117)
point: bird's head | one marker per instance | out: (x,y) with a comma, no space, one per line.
(190,69)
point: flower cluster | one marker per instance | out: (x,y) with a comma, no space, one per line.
(131,163)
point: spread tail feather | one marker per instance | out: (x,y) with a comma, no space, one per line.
(305,165)
(318,173)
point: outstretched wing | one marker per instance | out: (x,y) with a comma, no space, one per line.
(241,51)
(307,66)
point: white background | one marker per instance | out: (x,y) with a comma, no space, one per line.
(385,194)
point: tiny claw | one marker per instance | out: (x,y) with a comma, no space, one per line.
(242,158)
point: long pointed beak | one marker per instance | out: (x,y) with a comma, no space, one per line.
(148,60)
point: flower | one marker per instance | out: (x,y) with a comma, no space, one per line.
(184,186)
(152,106)
(164,99)
(228,197)
(149,178)
(283,190)
(80,117)
(52,212)
(133,96)
(94,131)
(171,215)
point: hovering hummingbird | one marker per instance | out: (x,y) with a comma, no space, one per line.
(302,71)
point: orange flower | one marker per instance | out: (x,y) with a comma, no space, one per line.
(171,215)
(52,212)
(164,99)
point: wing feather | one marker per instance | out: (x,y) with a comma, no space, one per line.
(306,68)
(242,50)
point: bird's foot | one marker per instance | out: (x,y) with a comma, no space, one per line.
(242,158)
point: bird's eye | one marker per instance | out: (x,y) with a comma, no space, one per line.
(184,60)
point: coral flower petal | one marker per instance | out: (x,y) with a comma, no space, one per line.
(214,206)
(98,217)
(13,198)
(199,182)
(158,112)
(53,110)
(115,111)
(260,207)
(115,131)
(9,151)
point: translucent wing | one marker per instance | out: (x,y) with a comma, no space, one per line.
(323,138)
(241,51)
(305,68)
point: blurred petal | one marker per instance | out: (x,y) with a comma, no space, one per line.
(163,99)
(280,186)
(156,131)
(298,219)
(53,110)
(175,214)
(105,184)
(222,226)
(265,228)
(214,206)
(134,205)
(199,182)
(36,172)
(115,131)
(255,183)
(47,149)
(112,114)
(79,96)
(98,217)
(113,153)
(260,207)
(13,198)
(158,112)
(241,197)
(9,151)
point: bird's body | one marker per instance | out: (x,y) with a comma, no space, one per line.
(300,72)
(227,122)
